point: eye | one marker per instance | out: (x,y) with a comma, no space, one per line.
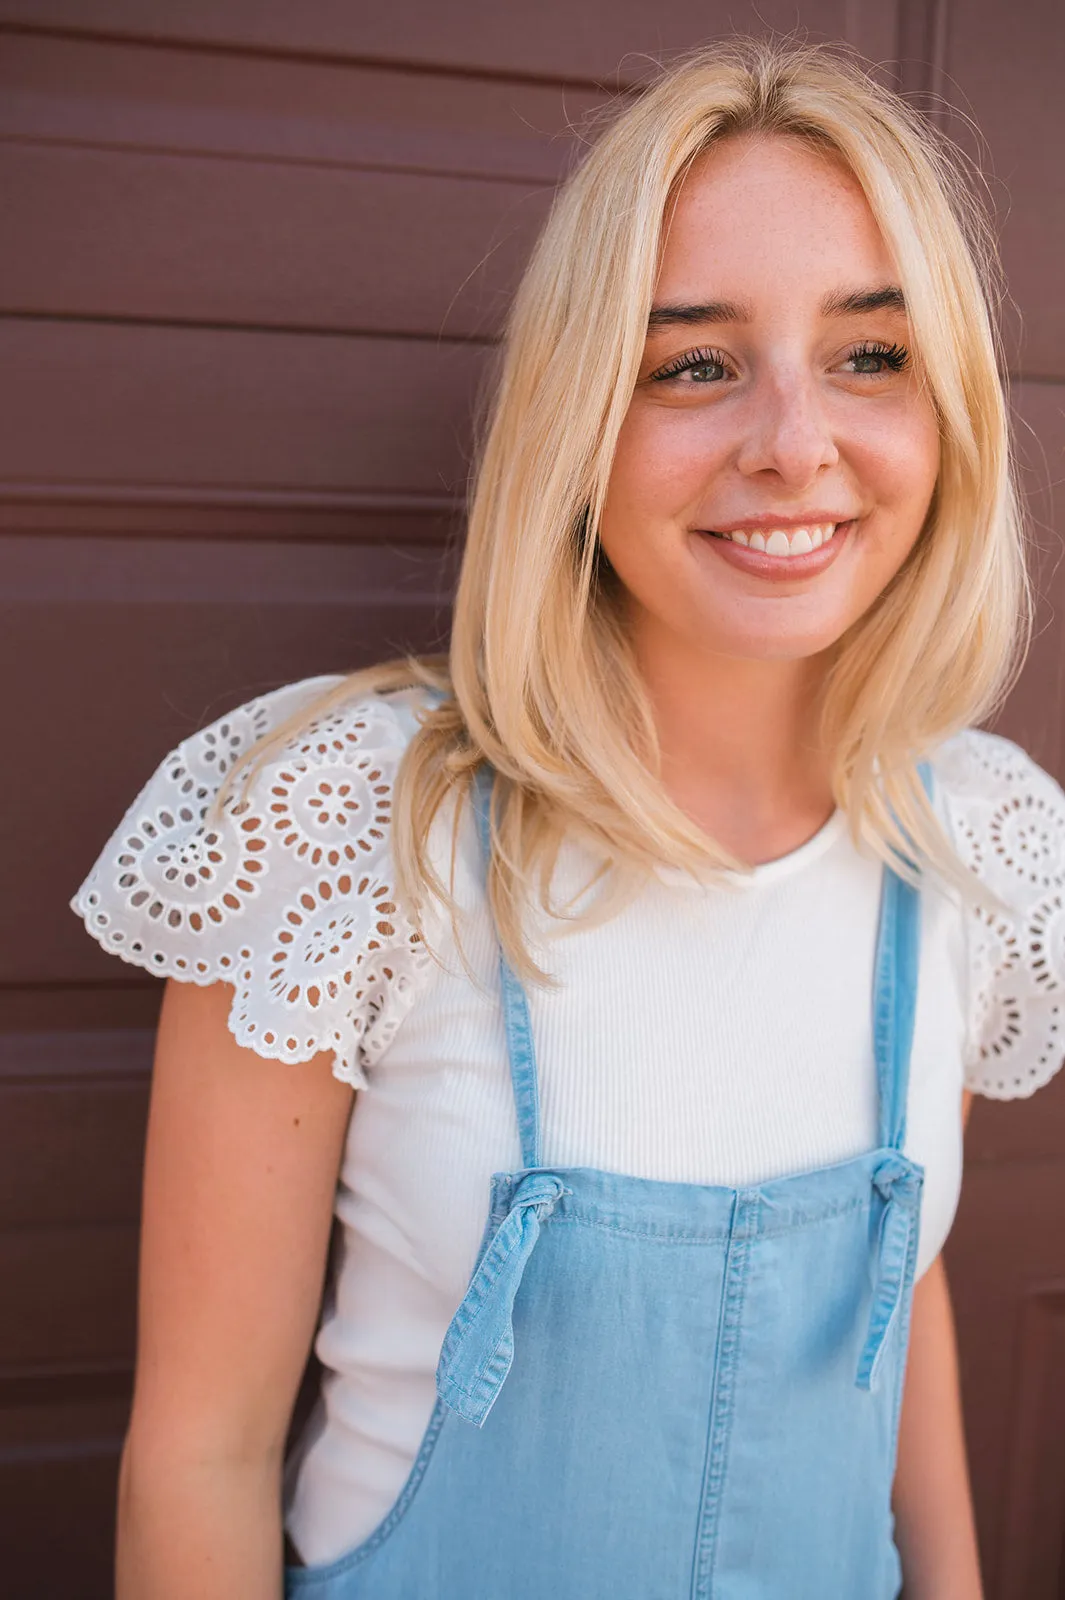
(705,367)
(874,359)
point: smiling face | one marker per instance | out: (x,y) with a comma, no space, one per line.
(777,401)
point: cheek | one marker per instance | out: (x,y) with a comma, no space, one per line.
(649,489)
(900,459)
(662,463)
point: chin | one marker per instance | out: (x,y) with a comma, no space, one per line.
(785,645)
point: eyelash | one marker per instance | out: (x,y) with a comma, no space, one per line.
(895,356)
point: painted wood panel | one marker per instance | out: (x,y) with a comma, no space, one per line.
(302,111)
(58,1472)
(1015,97)
(260,244)
(68,1291)
(1033,1560)
(74,1149)
(94,404)
(1035,713)
(550,40)
(1003,1261)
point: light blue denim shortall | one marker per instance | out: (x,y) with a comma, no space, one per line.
(670,1391)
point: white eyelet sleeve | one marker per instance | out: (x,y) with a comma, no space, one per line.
(286,891)
(1008,822)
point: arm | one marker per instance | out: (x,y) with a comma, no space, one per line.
(240,1174)
(935,1531)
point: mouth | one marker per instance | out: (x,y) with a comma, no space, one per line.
(781,552)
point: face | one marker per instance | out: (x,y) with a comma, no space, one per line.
(776,402)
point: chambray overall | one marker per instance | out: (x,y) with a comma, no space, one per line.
(670,1391)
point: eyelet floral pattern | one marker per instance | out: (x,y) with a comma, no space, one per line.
(1008,821)
(284,890)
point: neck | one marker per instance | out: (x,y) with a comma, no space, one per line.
(739,743)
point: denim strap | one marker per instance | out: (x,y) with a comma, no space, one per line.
(898,951)
(520,1049)
(897,1179)
(478,1347)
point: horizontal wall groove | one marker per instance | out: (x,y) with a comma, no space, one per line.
(254,530)
(65,1227)
(383,500)
(62,1080)
(65,1372)
(148,982)
(263,52)
(1028,1160)
(178,152)
(310,330)
(1044,379)
(60,1450)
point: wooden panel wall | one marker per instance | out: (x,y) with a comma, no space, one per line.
(255,264)
(1007,1251)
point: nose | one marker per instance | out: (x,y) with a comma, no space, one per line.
(787,432)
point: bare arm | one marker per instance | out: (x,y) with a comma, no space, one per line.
(240,1174)
(935,1531)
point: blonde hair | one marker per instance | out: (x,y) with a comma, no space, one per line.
(543,682)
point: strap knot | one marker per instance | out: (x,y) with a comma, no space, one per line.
(898,1182)
(898,1179)
(478,1347)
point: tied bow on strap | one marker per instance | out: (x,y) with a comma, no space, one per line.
(899,1182)
(479,1345)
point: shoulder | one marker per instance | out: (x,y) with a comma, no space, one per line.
(1006,818)
(1006,813)
(281,885)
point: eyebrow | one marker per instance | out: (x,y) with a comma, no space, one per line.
(838,303)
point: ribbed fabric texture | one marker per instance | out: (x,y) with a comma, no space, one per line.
(720,1088)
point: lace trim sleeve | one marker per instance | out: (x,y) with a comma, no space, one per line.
(285,892)
(1008,820)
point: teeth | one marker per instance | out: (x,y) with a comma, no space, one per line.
(785,542)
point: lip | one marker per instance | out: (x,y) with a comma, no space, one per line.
(778,569)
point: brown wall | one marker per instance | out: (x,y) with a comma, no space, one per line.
(255,259)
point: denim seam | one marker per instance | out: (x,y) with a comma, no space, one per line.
(462,1389)
(726,1358)
(308,1577)
(557,1220)
(903,1337)
(472,1308)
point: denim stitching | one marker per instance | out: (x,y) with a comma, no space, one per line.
(676,1236)
(307,1577)
(721,1404)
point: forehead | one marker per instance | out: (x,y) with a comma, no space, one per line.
(758,216)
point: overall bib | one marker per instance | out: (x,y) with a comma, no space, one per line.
(670,1391)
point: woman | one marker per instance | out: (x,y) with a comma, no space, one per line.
(637,1224)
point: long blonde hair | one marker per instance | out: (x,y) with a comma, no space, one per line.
(540,677)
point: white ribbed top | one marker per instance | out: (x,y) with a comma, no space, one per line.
(710,1035)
